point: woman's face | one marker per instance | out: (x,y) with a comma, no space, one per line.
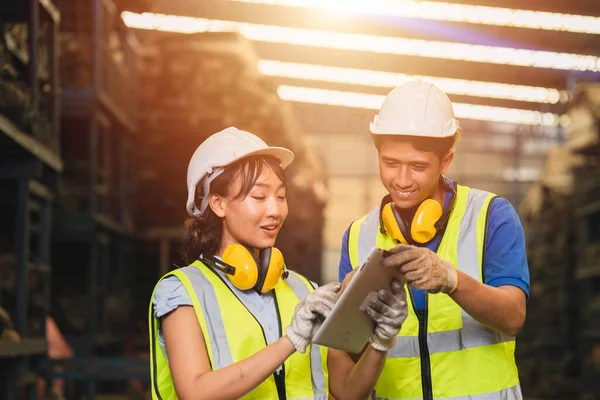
(254,220)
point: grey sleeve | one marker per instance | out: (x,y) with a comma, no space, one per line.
(168,295)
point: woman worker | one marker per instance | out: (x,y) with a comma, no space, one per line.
(235,323)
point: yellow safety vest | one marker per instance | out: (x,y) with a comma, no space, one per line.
(232,334)
(442,352)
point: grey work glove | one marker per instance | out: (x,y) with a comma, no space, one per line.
(388,309)
(310,314)
(422,268)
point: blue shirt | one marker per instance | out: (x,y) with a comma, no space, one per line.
(505,256)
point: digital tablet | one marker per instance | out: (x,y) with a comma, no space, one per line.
(347,327)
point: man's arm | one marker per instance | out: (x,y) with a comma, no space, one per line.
(500,301)
(500,308)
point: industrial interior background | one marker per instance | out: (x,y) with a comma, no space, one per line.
(102,103)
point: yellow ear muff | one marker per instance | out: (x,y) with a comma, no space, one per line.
(423,225)
(390,223)
(274,271)
(246,270)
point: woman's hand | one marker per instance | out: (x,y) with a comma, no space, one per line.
(310,314)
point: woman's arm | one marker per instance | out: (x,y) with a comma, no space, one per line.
(190,367)
(354,381)
(388,310)
(188,356)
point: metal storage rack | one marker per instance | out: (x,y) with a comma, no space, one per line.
(562,333)
(29,166)
(94,230)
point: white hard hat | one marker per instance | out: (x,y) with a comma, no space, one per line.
(220,150)
(416,108)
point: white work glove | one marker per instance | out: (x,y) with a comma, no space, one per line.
(422,268)
(388,309)
(310,314)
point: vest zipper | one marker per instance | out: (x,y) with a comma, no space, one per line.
(423,316)
(280,377)
(275,374)
(423,348)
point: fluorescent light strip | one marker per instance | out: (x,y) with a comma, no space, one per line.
(439,11)
(390,80)
(374,102)
(368,43)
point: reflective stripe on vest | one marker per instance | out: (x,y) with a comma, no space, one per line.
(220,314)
(513,393)
(485,356)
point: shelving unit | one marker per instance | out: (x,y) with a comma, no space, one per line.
(94,229)
(564,257)
(30,163)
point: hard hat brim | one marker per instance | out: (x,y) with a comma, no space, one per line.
(450,129)
(285,156)
(418,134)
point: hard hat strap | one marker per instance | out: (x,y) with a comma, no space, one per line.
(206,181)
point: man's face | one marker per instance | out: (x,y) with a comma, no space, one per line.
(409,175)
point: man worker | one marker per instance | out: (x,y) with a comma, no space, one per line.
(461,250)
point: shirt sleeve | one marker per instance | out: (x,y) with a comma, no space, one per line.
(168,295)
(345,266)
(505,253)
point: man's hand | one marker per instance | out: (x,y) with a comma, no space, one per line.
(388,309)
(347,280)
(422,268)
(310,314)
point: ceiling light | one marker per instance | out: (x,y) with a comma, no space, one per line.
(390,80)
(374,102)
(368,43)
(439,11)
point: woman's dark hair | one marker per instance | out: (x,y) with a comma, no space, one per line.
(203,233)
(440,146)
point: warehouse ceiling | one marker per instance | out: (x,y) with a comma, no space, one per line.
(498,65)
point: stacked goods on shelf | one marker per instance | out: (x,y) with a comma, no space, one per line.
(98,58)
(99,69)
(28,95)
(29,166)
(94,227)
(546,352)
(583,138)
(558,349)
(15,100)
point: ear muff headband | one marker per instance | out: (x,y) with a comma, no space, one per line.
(243,261)
(389,221)
(245,271)
(421,229)
(243,276)
(443,221)
(273,269)
(262,262)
